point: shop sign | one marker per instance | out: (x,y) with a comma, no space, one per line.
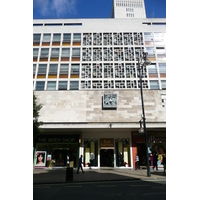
(61,139)
(156,139)
(106,142)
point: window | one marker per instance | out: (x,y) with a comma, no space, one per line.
(75,71)
(65,54)
(40,85)
(77,37)
(35,52)
(51,85)
(44,53)
(42,69)
(36,38)
(151,53)
(46,37)
(148,38)
(160,53)
(152,71)
(64,68)
(55,53)
(154,85)
(76,54)
(56,37)
(62,85)
(34,69)
(74,85)
(53,70)
(163,85)
(162,69)
(66,37)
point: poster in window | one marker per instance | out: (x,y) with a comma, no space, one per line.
(40,159)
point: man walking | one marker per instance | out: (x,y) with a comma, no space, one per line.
(136,162)
(80,164)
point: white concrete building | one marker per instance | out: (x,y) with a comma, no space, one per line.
(128,9)
(79,66)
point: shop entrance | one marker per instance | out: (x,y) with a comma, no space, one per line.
(107,158)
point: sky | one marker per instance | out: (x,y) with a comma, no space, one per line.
(66,9)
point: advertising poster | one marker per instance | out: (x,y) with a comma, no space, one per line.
(40,159)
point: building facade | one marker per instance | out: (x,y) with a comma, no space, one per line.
(85,75)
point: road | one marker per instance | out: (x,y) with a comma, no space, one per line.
(133,189)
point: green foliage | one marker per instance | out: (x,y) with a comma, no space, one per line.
(36,124)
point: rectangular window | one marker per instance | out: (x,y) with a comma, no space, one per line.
(76,54)
(42,71)
(64,69)
(56,39)
(53,70)
(154,85)
(36,39)
(160,53)
(151,53)
(162,69)
(152,71)
(44,54)
(34,69)
(74,85)
(46,39)
(163,85)
(55,54)
(35,54)
(75,71)
(62,85)
(40,85)
(148,38)
(51,85)
(66,39)
(76,39)
(65,54)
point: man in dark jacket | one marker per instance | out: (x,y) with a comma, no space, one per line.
(155,160)
(80,164)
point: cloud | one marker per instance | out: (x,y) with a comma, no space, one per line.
(54,8)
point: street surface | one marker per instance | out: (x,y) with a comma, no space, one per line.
(107,190)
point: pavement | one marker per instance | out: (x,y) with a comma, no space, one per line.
(59,175)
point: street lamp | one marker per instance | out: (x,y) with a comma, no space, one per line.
(143,61)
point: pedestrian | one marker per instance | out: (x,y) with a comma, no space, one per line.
(164,162)
(136,162)
(155,160)
(80,162)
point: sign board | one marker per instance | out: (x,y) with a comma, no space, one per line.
(110,101)
(107,143)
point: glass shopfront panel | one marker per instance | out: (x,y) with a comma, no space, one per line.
(61,150)
(91,152)
(122,149)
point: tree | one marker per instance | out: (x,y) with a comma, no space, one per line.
(36,124)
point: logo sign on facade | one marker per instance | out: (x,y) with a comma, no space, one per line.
(110,100)
(106,143)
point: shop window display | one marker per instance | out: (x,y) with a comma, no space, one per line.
(122,149)
(91,152)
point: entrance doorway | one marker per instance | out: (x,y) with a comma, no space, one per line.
(107,158)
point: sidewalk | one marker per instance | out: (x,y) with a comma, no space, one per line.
(58,175)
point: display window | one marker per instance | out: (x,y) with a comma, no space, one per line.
(91,152)
(122,149)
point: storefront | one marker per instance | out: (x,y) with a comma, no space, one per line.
(156,144)
(107,152)
(59,150)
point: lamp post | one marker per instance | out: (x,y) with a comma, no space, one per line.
(141,63)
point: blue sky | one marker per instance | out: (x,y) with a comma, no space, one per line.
(46,9)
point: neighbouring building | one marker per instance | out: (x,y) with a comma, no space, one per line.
(85,76)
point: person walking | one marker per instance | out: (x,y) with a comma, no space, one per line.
(136,162)
(164,162)
(155,160)
(80,162)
